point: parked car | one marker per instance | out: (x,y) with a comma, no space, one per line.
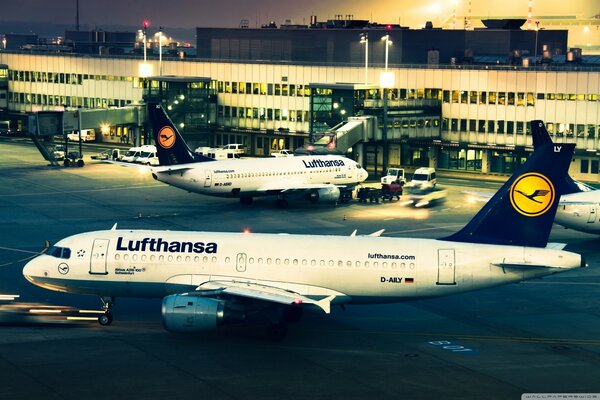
(282,153)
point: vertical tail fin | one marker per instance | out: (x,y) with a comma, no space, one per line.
(522,212)
(171,149)
(540,136)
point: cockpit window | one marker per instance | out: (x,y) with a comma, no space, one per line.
(59,252)
(358,166)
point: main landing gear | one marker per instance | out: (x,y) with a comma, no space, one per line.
(106,318)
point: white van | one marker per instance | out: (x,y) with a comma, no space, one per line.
(424,177)
(132,154)
(87,135)
(148,156)
(235,148)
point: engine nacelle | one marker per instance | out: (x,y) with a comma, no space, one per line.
(183,313)
(325,194)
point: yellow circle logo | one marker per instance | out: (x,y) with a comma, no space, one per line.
(166,137)
(532,194)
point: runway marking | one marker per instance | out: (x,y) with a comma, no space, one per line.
(521,339)
(83,191)
(561,283)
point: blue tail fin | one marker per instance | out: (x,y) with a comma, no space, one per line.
(171,149)
(540,136)
(522,212)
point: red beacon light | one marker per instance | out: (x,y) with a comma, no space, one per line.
(246,231)
(146,24)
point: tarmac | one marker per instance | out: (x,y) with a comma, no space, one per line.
(542,336)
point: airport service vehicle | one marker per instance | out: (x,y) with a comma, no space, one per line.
(317,178)
(147,156)
(394,175)
(132,154)
(5,128)
(424,177)
(374,195)
(209,279)
(282,153)
(419,196)
(87,135)
(234,148)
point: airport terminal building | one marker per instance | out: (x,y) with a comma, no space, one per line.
(451,99)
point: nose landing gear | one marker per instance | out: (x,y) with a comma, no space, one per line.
(106,318)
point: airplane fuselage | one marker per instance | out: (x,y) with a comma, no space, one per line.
(357,269)
(262,176)
(580,211)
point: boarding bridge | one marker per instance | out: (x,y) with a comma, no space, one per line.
(346,134)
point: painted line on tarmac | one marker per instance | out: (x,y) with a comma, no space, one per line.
(82,191)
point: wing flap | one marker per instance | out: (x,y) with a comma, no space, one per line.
(262,292)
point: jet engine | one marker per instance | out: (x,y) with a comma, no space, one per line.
(325,194)
(184,313)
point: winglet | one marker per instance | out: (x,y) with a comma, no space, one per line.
(114,227)
(377,233)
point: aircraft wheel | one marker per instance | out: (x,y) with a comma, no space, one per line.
(276,332)
(105,319)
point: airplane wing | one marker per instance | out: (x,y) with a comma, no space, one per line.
(167,169)
(291,186)
(259,291)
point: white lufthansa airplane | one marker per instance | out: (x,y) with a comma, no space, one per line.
(319,178)
(579,206)
(209,279)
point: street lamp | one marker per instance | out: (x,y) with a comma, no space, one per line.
(364,39)
(146,25)
(388,43)
(537,28)
(160,29)
(386,81)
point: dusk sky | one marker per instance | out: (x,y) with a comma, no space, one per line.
(228,13)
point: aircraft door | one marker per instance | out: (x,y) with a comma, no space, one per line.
(592,217)
(446,267)
(240,263)
(350,173)
(207,178)
(98,257)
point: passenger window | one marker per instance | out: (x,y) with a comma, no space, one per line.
(394,265)
(134,257)
(196,259)
(152,257)
(117,256)
(205,259)
(178,258)
(143,257)
(251,260)
(188,259)
(170,258)
(214,260)
(126,257)
(227,259)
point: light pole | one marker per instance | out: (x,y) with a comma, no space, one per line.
(160,50)
(364,39)
(386,82)
(537,28)
(388,43)
(146,25)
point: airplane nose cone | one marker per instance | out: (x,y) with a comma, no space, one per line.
(29,270)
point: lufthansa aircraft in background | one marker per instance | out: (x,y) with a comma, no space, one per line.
(319,178)
(208,279)
(579,205)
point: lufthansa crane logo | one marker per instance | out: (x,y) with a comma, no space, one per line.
(166,137)
(532,194)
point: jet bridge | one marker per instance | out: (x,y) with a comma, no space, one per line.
(347,134)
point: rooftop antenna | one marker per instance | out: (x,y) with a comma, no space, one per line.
(77,15)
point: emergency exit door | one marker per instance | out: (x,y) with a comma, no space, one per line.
(592,217)
(207,178)
(446,267)
(98,257)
